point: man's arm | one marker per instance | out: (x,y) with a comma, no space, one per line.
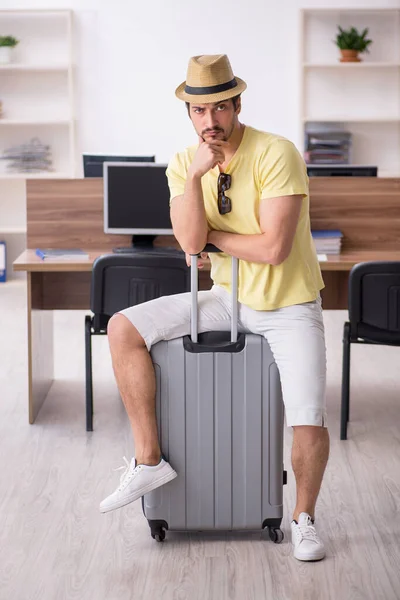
(188,217)
(278,223)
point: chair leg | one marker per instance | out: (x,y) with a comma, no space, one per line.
(89,376)
(345,409)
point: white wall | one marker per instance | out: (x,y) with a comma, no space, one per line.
(131,55)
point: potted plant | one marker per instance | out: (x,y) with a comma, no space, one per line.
(351,43)
(6,43)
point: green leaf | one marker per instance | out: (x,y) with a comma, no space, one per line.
(8,41)
(351,39)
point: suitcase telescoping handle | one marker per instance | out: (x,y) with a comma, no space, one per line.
(194,287)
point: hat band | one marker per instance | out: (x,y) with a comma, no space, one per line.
(212,89)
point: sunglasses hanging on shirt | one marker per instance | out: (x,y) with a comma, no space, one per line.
(224,203)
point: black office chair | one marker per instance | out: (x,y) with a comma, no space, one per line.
(119,281)
(374,313)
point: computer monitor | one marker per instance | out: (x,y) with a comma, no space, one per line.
(342,170)
(136,201)
(93,163)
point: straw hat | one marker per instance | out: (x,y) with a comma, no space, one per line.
(209,79)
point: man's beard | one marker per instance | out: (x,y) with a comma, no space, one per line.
(225,136)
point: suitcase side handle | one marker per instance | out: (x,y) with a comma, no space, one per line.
(194,288)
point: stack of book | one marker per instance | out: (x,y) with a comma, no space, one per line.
(327,241)
(327,147)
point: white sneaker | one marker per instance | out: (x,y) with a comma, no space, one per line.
(137,481)
(307,545)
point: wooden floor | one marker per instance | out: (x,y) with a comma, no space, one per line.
(55,544)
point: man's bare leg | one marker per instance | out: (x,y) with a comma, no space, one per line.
(310,452)
(134,372)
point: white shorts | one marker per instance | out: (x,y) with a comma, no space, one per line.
(295,335)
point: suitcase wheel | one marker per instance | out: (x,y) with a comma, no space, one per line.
(159,537)
(276,535)
(157,528)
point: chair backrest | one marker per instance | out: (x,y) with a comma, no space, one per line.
(119,281)
(374,302)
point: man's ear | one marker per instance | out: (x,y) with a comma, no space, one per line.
(238,106)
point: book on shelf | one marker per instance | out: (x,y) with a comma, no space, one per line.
(327,241)
(60,254)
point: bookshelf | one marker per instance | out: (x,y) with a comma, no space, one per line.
(362,98)
(37,95)
(32,67)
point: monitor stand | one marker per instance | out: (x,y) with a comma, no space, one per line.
(141,243)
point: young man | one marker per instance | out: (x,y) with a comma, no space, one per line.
(245,191)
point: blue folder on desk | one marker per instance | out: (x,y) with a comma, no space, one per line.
(3,262)
(59,254)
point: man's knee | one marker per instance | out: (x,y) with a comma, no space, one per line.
(310,433)
(122,332)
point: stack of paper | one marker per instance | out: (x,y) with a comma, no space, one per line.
(327,241)
(327,147)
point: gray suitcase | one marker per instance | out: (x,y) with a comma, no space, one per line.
(220,422)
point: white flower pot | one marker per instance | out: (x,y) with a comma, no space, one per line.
(5,55)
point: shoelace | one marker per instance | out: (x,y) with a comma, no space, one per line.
(127,474)
(307,532)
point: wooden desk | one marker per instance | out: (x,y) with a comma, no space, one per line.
(66,285)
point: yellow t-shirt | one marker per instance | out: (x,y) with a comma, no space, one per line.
(264,166)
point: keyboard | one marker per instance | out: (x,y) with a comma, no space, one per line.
(148,250)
